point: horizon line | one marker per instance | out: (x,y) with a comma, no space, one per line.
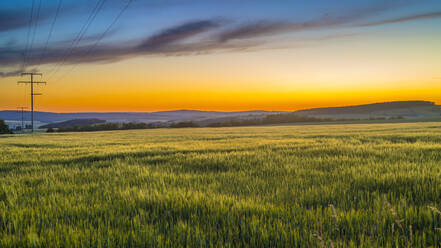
(200,110)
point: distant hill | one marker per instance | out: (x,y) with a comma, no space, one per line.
(146,117)
(73,123)
(405,109)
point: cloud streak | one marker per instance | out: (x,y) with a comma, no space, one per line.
(178,33)
(14,73)
(432,15)
(11,73)
(169,41)
(266,28)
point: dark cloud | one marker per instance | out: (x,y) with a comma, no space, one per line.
(178,40)
(179,33)
(168,41)
(255,29)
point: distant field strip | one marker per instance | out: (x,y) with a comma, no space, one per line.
(354,185)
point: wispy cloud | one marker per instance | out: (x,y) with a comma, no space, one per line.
(11,73)
(14,73)
(169,41)
(178,33)
(432,15)
(263,28)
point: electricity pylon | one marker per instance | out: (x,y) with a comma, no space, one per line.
(32,92)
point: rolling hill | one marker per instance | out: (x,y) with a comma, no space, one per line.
(404,109)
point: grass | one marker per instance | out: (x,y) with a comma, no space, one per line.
(355,185)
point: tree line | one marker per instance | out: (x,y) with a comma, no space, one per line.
(4,129)
(270,119)
(105,127)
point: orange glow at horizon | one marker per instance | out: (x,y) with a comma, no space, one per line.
(226,101)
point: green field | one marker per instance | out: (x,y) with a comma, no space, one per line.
(355,185)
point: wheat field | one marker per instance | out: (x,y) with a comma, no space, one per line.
(354,185)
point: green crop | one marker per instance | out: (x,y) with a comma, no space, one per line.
(364,185)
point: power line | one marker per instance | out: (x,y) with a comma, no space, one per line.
(88,25)
(51,30)
(80,35)
(74,41)
(28,35)
(110,26)
(35,28)
(32,82)
(102,35)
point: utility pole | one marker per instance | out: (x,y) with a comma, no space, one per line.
(32,74)
(22,117)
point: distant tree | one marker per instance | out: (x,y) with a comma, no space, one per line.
(50,130)
(108,127)
(184,124)
(290,118)
(4,129)
(269,119)
(74,122)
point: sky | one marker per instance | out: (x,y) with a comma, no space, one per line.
(229,55)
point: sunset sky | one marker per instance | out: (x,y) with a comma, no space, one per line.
(227,55)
